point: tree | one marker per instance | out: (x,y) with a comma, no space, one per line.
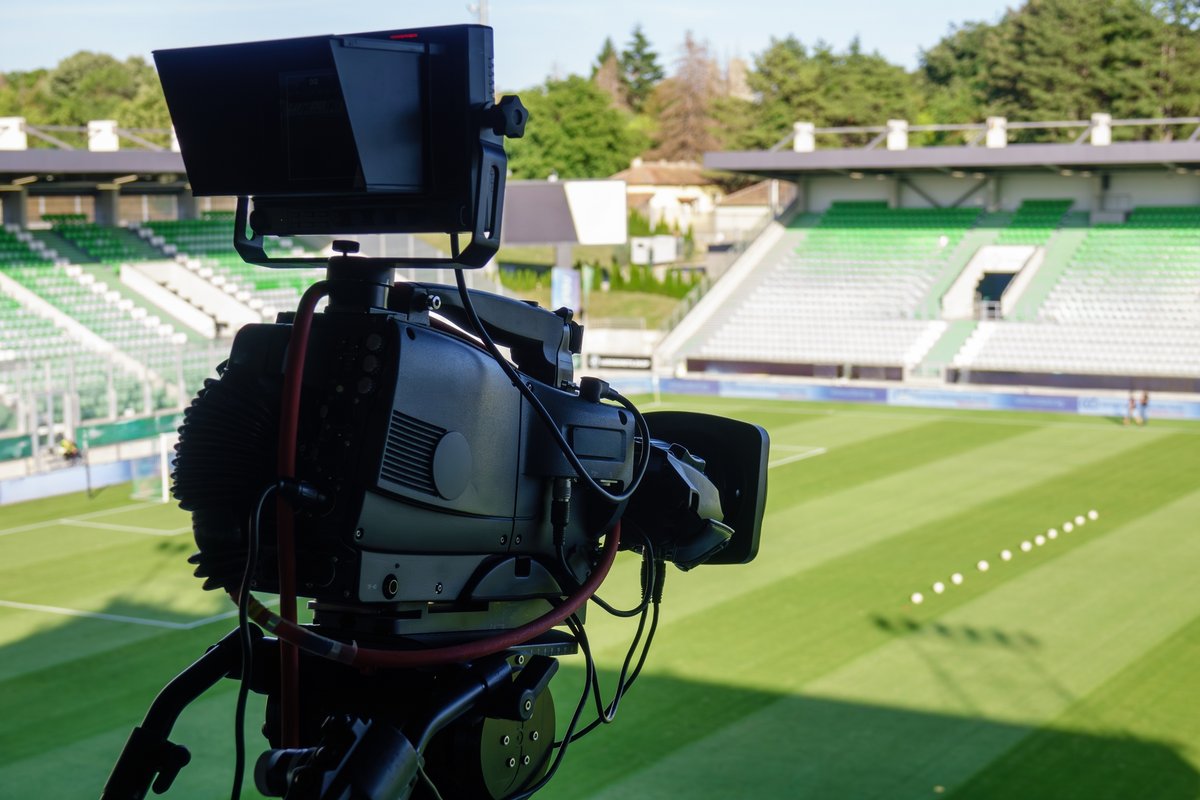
(788,83)
(953,78)
(93,86)
(1184,14)
(822,86)
(683,105)
(640,69)
(1066,59)
(1176,82)
(606,74)
(83,87)
(858,88)
(573,132)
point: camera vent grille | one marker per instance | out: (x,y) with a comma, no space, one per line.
(408,454)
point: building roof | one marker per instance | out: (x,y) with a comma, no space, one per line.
(1014,157)
(759,194)
(664,173)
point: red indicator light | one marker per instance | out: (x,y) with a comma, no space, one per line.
(403,36)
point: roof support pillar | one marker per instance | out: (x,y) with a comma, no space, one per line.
(995,198)
(107,204)
(186,206)
(14,200)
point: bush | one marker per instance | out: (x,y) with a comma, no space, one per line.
(523,279)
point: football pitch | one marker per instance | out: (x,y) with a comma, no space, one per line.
(1067,670)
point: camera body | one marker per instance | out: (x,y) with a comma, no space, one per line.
(435,473)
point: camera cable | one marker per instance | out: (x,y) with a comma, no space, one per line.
(623,686)
(289,423)
(608,394)
(351,653)
(247,640)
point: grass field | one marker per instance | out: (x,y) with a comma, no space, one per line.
(1069,671)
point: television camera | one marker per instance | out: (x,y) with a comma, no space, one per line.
(448,509)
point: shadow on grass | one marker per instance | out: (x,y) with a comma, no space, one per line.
(963,634)
(673,737)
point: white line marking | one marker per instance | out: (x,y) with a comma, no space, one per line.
(153,623)
(816,451)
(118,510)
(977,415)
(31,527)
(76,523)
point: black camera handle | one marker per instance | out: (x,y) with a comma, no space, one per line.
(148,757)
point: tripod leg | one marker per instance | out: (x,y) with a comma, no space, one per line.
(148,756)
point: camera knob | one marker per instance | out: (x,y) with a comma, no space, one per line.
(508,117)
(345,246)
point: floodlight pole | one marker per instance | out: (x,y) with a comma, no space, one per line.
(480,10)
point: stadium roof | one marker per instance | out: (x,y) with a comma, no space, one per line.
(1014,157)
(59,170)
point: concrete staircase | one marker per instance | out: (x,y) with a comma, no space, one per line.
(930,306)
(1059,250)
(942,353)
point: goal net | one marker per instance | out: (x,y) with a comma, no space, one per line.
(152,474)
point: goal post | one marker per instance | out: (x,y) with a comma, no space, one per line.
(152,474)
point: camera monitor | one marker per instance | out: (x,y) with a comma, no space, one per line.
(382,132)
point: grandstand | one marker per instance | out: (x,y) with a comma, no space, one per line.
(850,292)
(1070,266)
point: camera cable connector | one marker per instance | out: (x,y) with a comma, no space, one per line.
(301,495)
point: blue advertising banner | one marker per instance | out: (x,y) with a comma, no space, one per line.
(856,394)
(1064,404)
(1116,406)
(564,288)
(1090,405)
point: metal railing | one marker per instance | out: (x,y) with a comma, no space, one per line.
(979,129)
(137,136)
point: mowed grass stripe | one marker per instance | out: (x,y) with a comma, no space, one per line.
(806,535)
(1151,695)
(1044,639)
(130,576)
(79,768)
(84,697)
(844,468)
(782,635)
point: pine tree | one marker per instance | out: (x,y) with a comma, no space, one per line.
(640,69)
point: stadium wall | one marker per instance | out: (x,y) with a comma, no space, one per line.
(67,480)
(1126,189)
(1152,189)
(1092,405)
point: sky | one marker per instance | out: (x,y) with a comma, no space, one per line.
(534,39)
